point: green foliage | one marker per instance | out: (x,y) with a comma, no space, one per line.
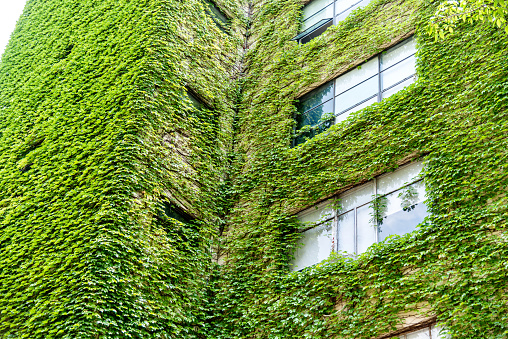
(452,267)
(378,207)
(450,13)
(96,135)
(92,126)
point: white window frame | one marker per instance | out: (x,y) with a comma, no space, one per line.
(335,214)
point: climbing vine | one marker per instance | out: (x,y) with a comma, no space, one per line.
(98,135)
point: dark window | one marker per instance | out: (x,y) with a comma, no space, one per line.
(217,15)
(174,212)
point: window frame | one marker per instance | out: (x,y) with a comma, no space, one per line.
(334,20)
(336,212)
(378,95)
(209,7)
(431,326)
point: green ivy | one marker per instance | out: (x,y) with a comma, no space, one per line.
(97,136)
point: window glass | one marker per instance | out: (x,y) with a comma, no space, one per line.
(405,210)
(421,334)
(346,232)
(365,229)
(436,335)
(343,116)
(315,12)
(314,6)
(195,102)
(398,53)
(355,76)
(316,97)
(355,230)
(316,246)
(317,214)
(403,175)
(313,117)
(215,14)
(392,90)
(398,72)
(316,32)
(357,94)
(344,7)
(376,79)
(357,197)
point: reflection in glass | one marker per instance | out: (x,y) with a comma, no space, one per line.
(405,210)
(316,11)
(318,214)
(389,92)
(356,197)
(398,72)
(316,97)
(315,246)
(357,94)
(365,230)
(346,232)
(403,175)
(313,117)
(355,76)
(397,53)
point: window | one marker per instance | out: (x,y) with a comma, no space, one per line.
(198,105)
(216,14)
(318,15)
(350,225)
(177,213)
(378,78)
(429,332)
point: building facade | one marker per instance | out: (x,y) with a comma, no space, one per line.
(263,169)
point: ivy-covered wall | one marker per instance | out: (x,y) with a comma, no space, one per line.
(453,268)
(98,137)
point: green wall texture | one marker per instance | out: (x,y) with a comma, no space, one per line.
(98,136)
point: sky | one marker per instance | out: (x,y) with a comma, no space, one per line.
(10,11)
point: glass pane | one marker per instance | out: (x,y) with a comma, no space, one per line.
(355,76)
(342,5)
(315,14)
(435,333)
(397,88)
(316,32)
(398,72)
(356,94)
(216,12)
(316,245)
(345,7)
(301,138)
(313,117)
(195,102)
(346,232)
(405,210)
(403,175)
(366,231)
(421,334)
(398,52)
(317,214)
(356,197)
(344,115)
(316,97)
